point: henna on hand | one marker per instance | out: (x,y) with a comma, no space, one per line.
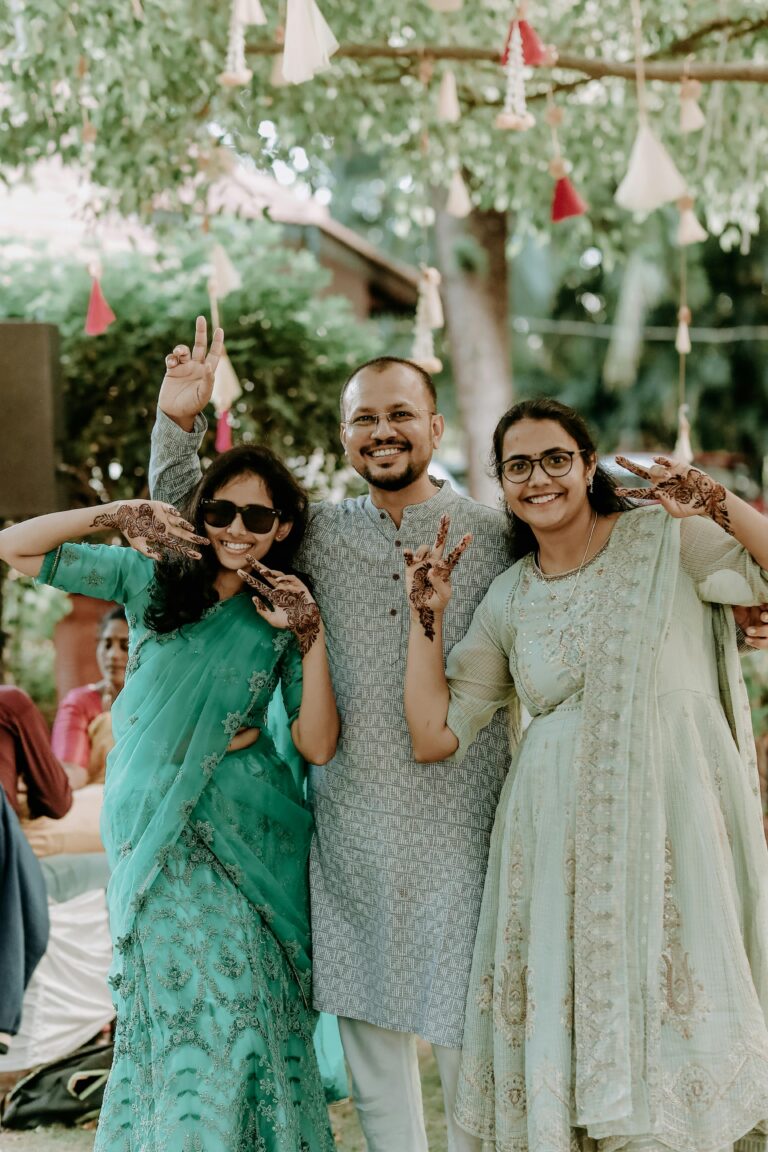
(422,589)
(694,489)
(301,611)
(136,523)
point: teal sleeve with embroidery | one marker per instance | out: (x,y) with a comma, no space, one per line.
(105,571)
(291,679)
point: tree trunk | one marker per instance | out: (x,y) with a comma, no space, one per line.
(472,259)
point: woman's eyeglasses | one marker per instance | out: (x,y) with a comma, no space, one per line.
(518,469)
(256,517)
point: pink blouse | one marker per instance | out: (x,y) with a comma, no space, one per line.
(70,728)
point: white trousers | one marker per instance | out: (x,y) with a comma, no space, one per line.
(386,1089)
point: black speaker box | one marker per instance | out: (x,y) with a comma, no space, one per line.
(31,420)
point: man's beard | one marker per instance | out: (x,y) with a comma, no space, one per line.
(395,482)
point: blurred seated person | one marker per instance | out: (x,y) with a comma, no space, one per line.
(82,730)
(32,778)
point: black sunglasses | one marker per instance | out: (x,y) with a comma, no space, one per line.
(256,517)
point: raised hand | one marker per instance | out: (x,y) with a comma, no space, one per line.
(188,381)
(284,602)
(152,527)
(428,576)
(680,488)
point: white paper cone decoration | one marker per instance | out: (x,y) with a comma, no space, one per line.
(691,116)
(446,5)
(448,109)
(236,74)
(458,203)
(250,12)
(309,42)
(226,277)
(429,315)
(689,231)
(683,449)
(652,178)
(226,386)
(683,337)
(514,115)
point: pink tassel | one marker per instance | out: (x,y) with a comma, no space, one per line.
(100,315)
(223,441)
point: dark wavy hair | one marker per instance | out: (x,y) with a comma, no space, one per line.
(603,496)
(182,589)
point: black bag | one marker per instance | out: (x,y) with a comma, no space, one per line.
(67,1091)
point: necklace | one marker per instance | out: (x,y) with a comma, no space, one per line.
(583,560)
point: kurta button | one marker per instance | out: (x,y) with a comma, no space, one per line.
(397,543)
(393,611)
(382,515)
(395,575)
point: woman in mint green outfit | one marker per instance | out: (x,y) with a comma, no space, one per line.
(619,990)
(204,823)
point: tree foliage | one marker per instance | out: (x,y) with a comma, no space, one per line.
(145,76)
(291,346)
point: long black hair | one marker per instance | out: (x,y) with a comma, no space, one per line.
(603,496)
(183,589)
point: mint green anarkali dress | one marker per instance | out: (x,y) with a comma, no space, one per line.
(619,990)
(208,897)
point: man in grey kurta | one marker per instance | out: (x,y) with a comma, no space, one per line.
(399,861)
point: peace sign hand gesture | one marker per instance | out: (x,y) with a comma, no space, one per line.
(284,602)
(428,576)
(152,528)
(188,381)
(681,489)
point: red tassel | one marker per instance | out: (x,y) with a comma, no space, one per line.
(100,315)
(566,201)
(223,441)
(534,52)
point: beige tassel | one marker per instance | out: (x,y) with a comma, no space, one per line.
(429,315)
(226,277)
(692,119)
(683,337)
(652,178)
(309,42)
(459,203)
(515,116)
(689,230)
(683,449)
(236,74)
(448,109)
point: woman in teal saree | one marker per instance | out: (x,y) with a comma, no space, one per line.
(204,823)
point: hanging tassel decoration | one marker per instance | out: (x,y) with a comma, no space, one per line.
(448,109)
(535,53)
(236,74)
(683,337)
(226,277)
(100,315)
(683,449)
(652,178)
(223,439)
(692,119)
(566,201)
(250,13)
(309,42)
(226,390)
(514,116)
(689,230)
(459,203)
(429,316)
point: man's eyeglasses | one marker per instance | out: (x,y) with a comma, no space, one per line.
(256,517)
(518,469)
(397,418)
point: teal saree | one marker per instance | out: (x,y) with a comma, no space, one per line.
(208,898)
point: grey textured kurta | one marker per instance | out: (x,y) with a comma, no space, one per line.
(400,855)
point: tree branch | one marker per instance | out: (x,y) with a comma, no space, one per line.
(745,71)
